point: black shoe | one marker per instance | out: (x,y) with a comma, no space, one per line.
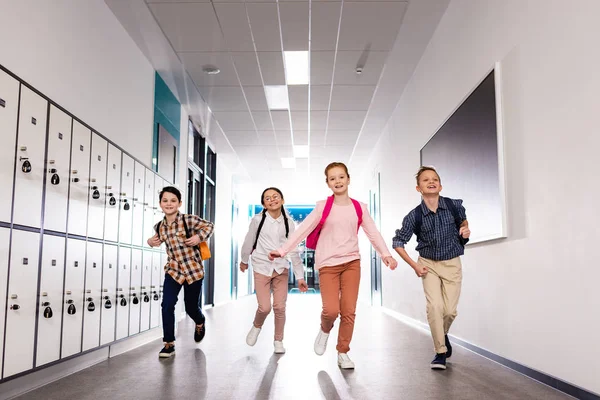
(167,351)
(448,347)
(439,362)
(199,332)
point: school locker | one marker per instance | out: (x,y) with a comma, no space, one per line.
(155,309)
(4,246)
(148,206)
(9,107)
(22,291)
(134,291)
(50,300)
(31,146)
(57,170)
(123,300)
(138,206)
(159,184)
(126,200)
(93,296)
(113,179)
(78,192)
(146,290)
(73,300)
(97,194)
(108,303)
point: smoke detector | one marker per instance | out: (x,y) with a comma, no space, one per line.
(210,70)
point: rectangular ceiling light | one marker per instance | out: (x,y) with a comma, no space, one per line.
(301,151)
(296,67)
(288,162)
(277,97)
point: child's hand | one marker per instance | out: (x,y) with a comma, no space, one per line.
(192,241)
(273,255)
(243,267)
(302,285)
(390,262)
(465,232)
(154,241)
(421,270)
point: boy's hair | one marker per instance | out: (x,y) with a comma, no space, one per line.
(336,164)
(172,190)
(262,196)
(426,168)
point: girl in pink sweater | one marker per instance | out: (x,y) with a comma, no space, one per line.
(337,258)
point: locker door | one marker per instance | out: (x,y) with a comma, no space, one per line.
(22,291)
(146,290)
(155,309)
(123,285)
(159,184)
(126,200)
(31,146)
(113,186)
(9,107)
(148,206)
(138,206)
(93,296)
(97,187)
(80,169)
(73,300)
(50,298)
(57,170)
(134,291)
(108,304)
(4,246)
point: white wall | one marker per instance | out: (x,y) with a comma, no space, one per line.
(530,298)
(223,234)
(79,55)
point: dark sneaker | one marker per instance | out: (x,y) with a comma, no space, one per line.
(439,362)
(167,351)
(199,332)
(448,347)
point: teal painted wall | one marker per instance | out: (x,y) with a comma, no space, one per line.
(167,113)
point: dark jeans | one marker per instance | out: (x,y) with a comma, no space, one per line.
(192,298)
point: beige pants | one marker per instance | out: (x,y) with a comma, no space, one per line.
(442,289)
(263,285)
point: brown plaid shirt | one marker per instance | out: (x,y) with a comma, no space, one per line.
(184,263)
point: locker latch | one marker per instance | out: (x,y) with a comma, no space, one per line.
(26,167)
(107,303)
(15,307)
(47,310)
(91,306)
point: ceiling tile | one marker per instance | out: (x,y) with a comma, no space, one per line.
(271,65)
(285,150)
(370,25)
(298,97)
(262,119)
(321,67)
(264,22)
(245,138)
(194,62)
(267,138)
(372,63)
(224,98)
(234,120)
(294,25)
(319,97)
(341,138)
(318,120)
(247,68)
(317,137)
(300,137)
(234,23)
(281,120)
(284,138)
(325,18)
(346,120)
(256,98)
(300,120)
(184,23)
(351,98)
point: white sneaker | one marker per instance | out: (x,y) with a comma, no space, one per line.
(252,336)
(344,362)
(321,342)
(279,349)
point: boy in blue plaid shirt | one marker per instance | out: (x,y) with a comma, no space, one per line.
(442,230)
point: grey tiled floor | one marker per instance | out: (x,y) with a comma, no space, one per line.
(392,362)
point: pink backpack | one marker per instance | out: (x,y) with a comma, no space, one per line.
(313,237)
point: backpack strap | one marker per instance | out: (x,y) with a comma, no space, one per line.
(418,221)
(157,227)
(457,220)
(260,225)
(187,231)
(359,212)
(326,210)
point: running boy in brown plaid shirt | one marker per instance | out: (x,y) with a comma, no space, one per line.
(184,265)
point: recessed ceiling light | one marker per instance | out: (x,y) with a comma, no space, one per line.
(210,70)
(288,162)
(296,67)
(301,151)
(277,97)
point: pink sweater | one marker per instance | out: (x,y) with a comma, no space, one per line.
(338,243)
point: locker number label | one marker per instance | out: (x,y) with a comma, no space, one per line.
(54,263)
(76,264)
(60,135)
(114,166)
(93,265)
(25,261)
(2,103)
(80,147)
(33,121)
(99,158)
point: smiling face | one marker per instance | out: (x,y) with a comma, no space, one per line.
(272,200)
(338,180)
(429,183)
(169,203)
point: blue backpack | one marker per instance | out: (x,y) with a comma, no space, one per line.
(453,210)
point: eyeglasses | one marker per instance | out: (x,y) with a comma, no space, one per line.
(274,197)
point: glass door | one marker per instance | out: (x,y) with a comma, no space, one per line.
(374,209)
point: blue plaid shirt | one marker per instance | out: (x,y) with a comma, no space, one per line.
(439,233)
